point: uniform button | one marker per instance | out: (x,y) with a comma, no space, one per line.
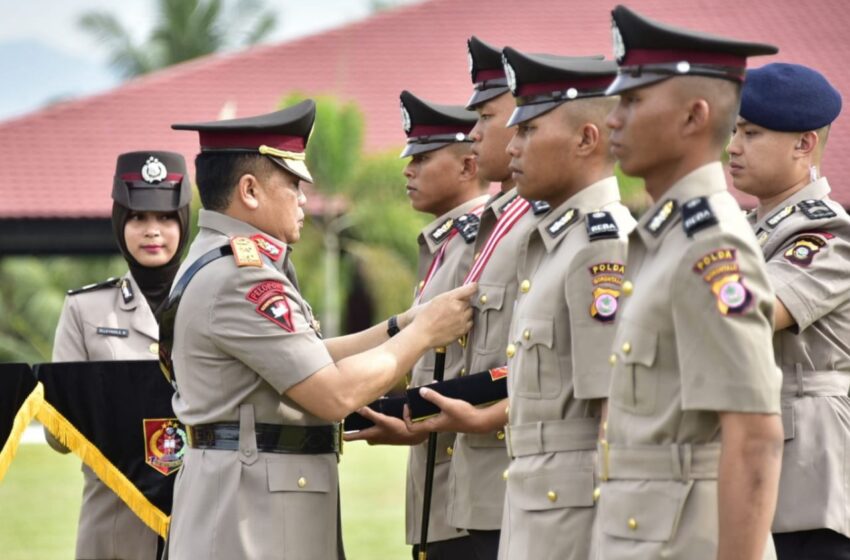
(500,435)
(247,452)
(628,288)
(510,351)
(525,286)
(302,482)
(154,348)
(526,334)
(483,299)
(463,371)
(627,347)
(552,495)
(505,474)
(632,523)
(449,451)
(612,359)
(596,493)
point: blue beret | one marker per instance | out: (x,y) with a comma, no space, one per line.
(789,98)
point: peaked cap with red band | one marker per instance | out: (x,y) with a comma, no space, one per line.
(430,126)
(649,52)
(281,136)
(488,74)
(541,82)
(151,182)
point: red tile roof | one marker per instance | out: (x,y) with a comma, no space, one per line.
(59,161)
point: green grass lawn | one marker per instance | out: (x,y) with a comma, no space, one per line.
(40,500)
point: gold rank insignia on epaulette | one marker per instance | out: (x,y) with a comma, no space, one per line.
(108,283)
(245,252)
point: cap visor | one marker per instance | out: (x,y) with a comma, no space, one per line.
(484,95)
(296,167)
(153,199)
(527,112)
(413,149)
(624,82)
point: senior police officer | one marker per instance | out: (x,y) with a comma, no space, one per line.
(775,155)
(442,180)
(694,437)
(570,271)
(476,487)
(257,387)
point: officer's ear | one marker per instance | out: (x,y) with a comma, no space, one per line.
(697,118)
(806,144)
(469,171)
(588,139)
(247,192)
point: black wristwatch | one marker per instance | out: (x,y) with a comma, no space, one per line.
(392,326)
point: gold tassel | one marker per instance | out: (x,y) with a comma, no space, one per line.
(70,437)
(23,417)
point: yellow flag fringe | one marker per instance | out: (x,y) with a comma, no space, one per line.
(23,417)
(115,480)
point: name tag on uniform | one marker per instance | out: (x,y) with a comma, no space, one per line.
(109,331)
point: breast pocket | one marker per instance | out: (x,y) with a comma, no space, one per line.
(307,487)
(489,338)
(634,382)
(538,374)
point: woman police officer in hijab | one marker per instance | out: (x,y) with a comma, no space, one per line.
(115,320)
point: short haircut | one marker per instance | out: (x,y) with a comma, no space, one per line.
(593,110)
(724,101)
(218,173)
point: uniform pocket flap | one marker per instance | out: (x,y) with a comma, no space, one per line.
(536,331)
(646,515)
(493,439)
(551,489)
(299,473)
(639,348)
(445,447)
(490,296)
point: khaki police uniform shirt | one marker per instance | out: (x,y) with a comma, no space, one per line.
(694,338)
(234,356)
(570,278)
(450,274)
(806,242)
(102,325)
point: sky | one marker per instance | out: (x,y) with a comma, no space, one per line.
(45,56)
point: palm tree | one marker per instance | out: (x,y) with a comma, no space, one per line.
(185,29)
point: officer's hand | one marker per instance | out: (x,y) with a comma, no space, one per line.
(448,316)
(386,431)
(456,415)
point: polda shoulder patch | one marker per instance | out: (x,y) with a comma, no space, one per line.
(272,303)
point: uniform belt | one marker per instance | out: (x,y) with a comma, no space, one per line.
(799,383)
(271,438)
(579,434)
(659,462)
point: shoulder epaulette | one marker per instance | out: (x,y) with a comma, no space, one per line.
(816,209)
(467,226)
(697,215)
(601,225)
(108,283)
(442,231)
(777,217)
(662,217)
(540,207)
(245,252)
(569,216)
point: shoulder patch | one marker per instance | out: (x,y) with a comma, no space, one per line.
(245,252)
(816,209)
(467,226)
(270,298)
(662,217)
(607,280)
(601,225)
(776,218)
(719,269)
(108,283)
(507,203)
(569,216)
(697,215)
(442,231)
(268,247)
(540,207)
(805,247)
